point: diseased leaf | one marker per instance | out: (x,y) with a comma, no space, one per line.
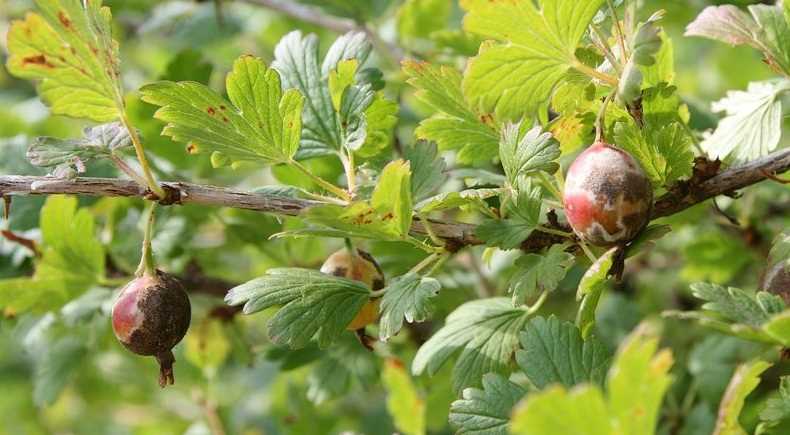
(553,352)
(486,411)
(69,47)
(485,332)
(313,304)
(512,79)
(407,297)
(263,124)
(454,126)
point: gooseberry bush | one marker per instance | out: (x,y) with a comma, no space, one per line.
(420,216)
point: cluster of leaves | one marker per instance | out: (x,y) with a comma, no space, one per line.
(547,73)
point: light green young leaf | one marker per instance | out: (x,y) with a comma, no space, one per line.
(263,125)
(341,79)
(454,126)
(555,353)
(72,260)
(513,79)
(404,404)
(591,287)
(69,47)
(312,304)
(778,327)
(406,297)
(392,196)
(527,154)
(665,154)
(538,273)
(743,382)
(380,117)
(486,411)
(765,30)
(485,332)
(557,411)
(420,18)
(464,198)
(752,125)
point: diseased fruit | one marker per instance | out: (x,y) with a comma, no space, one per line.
(776,280)
(360,267)
(608,196)
(150,316)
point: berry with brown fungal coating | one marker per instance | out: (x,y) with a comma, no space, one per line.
(150,316)
(363,268)
(608,197)
(776,280)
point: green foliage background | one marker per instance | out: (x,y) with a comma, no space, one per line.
(63,372)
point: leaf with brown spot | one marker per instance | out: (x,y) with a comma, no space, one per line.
(69,47)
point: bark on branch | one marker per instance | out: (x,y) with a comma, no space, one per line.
(456,234)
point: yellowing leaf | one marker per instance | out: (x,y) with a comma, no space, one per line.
(69,47)
(403,403)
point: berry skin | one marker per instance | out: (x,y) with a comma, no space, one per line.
(608,196)
(150,316)
(776,280)
(360,267)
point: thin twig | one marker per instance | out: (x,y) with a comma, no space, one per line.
(456,234)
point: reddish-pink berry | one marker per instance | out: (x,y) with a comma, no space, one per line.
(608,196)
(150,316)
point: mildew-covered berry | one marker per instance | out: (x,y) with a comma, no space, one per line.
(150,316)
(360,267)
(776,280)
(608,196)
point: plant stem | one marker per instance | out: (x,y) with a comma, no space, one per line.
(547,183)
(601,118)
(618,29)
(426,223)
(351,173)
(538,303)
(588,252)
(329,187)
(138,149)
(602,44)
(548,230)
(606,78)
(425,263)
(126,169)
(147,266)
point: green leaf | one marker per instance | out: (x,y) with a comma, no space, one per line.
(765,30)
(340,369)
(392,196)
(556,411)
(527,154)
(665,154)
(420,18)
(263,125)
(538,273)
(752,126)
(380,117)
(427,168)
(735,304)
(743,382)
(591,287)
(406,297)
(404,404)
(555,353)
(777,409)
(486,411)
(69,47)
(513,79)
(778,327)
(67,157)
(312,304)
(341,79)
(485,332)
(72,260)
(523,216)
(296,59)
(55,369)
(465,198)
(454,126)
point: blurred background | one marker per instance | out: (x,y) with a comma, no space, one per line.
(62,372)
